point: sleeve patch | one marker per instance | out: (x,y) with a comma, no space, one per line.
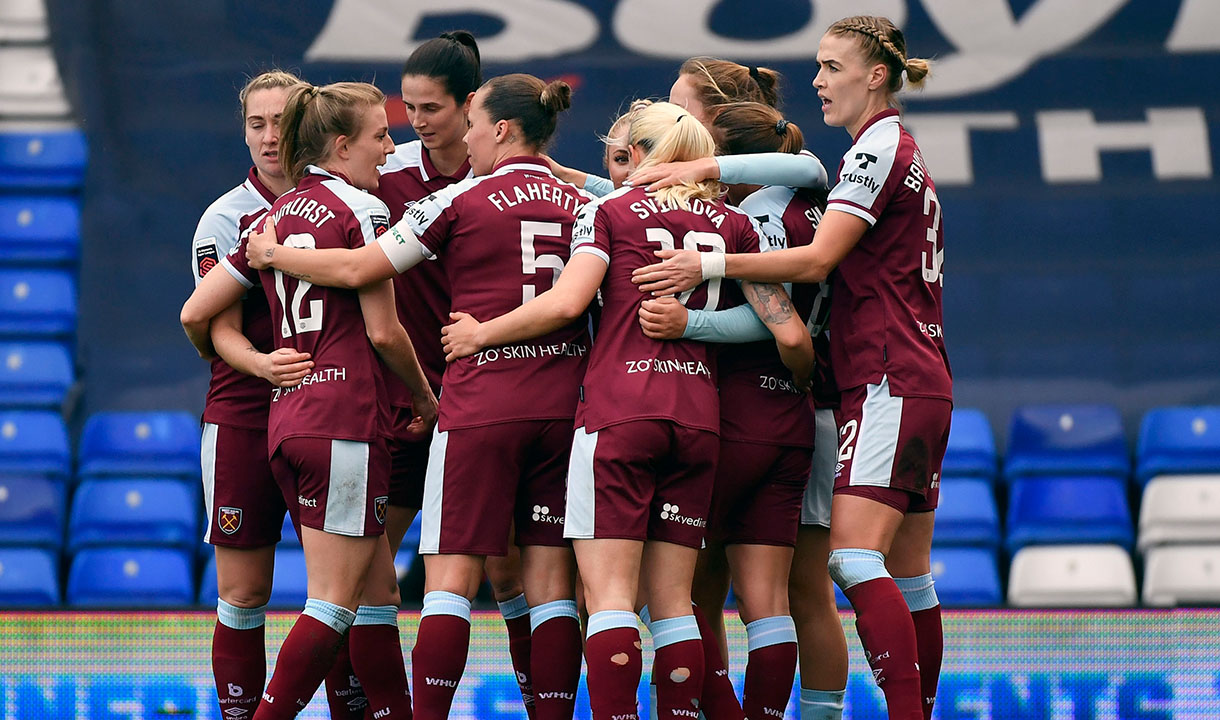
(206,255)
(380,223)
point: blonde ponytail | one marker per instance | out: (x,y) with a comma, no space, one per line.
(668,133)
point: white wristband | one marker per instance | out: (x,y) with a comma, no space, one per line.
(712,265)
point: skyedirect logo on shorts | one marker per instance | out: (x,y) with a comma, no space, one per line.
(673,514)
(542,514)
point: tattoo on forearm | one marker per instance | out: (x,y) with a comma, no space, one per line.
(770,301)
(298,276)
(252,349)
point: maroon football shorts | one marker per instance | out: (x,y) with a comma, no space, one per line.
(758,493)
(408,461)
(641,480)
(889,443)
(485,479)
(336,486)
(244,506)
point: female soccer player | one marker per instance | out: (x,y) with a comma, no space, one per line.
(706,84)
(761,420)
(643,458)
(500,453)
(439,80)
(882,231)
(326,436)
(244,507)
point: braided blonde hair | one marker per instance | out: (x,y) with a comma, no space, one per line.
(882,42)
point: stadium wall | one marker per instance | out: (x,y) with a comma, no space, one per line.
(999,665)
(1072,143)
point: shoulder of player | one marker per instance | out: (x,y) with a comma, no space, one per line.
(772,199)
(877,149)
(407,155)
(357,201)
(610,199)
(231,207)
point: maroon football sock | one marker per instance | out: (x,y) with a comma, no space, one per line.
(377,658)
(769,675)
(719,699)
(556,667)
(519,649)
(677,671)
(930,639)
(305,657)
(344,694)
(239,664)
(888,635)
(437,663)
(614,664)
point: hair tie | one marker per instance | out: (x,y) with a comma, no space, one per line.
(680,118)
(781,126)
(754,73)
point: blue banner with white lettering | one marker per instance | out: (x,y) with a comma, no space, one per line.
(1071,141)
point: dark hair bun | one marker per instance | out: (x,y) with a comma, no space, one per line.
(556,96)
(463,37)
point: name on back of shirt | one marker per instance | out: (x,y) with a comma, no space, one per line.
(647,207)
(307,209)
(533,191)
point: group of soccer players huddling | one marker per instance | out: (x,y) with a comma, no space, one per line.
(623,431)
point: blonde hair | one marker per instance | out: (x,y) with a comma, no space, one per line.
(741,128)
(668,133)
(313,116)
(882,42)
(719,82)
(623,121)
(266,81)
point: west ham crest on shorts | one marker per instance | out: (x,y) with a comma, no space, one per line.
(229,520)
(379,506)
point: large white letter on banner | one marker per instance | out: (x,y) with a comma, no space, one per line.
(679,29)
(1071,143)
(994,47)
(382,30)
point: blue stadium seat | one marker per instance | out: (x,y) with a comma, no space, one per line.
(37,303)
(1066,440)
(28,578)
(34,442)
(31,511)
(39,229)
(208,593)
(967,514)
(34,374)
(966,577)
(131,578)
(288,533)
(1178,441)
(133,511)
(289,587)
(1064,510)
(47,159)
(140,443)
(971,451)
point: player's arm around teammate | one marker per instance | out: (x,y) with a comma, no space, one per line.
(887,347)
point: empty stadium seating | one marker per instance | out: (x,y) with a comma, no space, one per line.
(1068,509)
(39,229)
(43,159)
(34,375)
(1180,509)
(36,442)
(1072,576)
(289,587)
(971,451)
(1177,441)
(131,578)
(966,577)
(28,578)
(140,443)
(967,513)
(32,510)
(1066,440)
(23,21)
(30,85)
(134,511)
(1182,575)
(37,304)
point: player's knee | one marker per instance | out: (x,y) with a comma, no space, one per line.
(251,596)
(851,566)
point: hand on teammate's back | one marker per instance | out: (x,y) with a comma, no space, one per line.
(285,367)
(260,246)
(678,271)
(663,318)
(461,337)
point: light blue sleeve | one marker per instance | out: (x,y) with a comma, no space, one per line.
(802,170)
(598,186)
(735,325)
